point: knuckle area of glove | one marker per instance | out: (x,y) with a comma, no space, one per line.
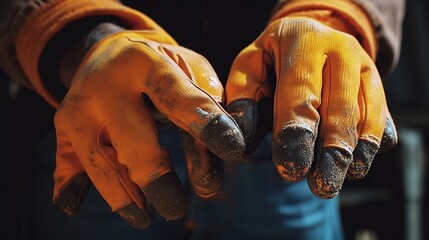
(328,40)
(181,102)
(70,107)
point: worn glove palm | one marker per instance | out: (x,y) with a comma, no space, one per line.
(106,131)
(327,88)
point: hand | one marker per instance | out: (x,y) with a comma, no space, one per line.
(107,135)
(329,110)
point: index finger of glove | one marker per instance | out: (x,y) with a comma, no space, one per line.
(205,170)
(197,69)
(193,109)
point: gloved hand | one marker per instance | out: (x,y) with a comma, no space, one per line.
(329,108)
(107,134)
(105,129)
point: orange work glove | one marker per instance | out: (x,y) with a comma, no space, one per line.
(105,126)
(329,108)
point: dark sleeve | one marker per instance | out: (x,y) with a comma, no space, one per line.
(387,17)
(12,15)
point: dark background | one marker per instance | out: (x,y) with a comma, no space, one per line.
(373,206)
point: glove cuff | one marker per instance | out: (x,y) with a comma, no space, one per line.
(342,15)
(42,25)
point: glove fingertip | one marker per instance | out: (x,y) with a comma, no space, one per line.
(223,137)
(134,216)
(69,200)
(363,155)
(166,194)
(293,152)
(204,168)
(390,136)
(207,183)
(243,112)
(254,119)
(328,177)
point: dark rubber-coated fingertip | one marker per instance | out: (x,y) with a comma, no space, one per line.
(204,168)
(328,177)
(254,119)
(363,155)
(166,194)
(134,216)
(72,196)
(390,137)
(224,138)
(243,112)
(206,183)
(293,152)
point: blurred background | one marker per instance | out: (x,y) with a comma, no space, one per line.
(391,202)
